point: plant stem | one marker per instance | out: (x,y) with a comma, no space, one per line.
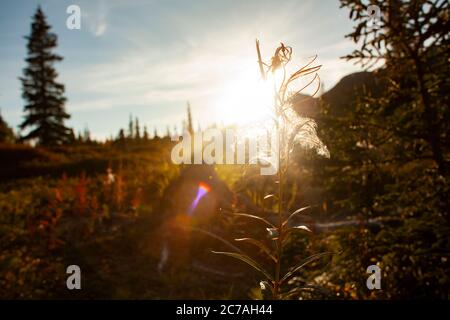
(280,221)
(279,242)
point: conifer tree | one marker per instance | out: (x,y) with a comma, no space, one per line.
(6,133)
(44,110)
(121,136)
(145,134)
(86,135)
(130,128)
(190,127)
(137,129)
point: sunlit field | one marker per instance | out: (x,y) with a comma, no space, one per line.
(193,154)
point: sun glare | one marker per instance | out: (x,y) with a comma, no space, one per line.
(245,98)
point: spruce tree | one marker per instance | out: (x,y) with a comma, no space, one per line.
(121,139)
(121,136)
(190,127)
(86,135)
(44,110)
(145,135)
(131,128)
(137,129)
(6,133)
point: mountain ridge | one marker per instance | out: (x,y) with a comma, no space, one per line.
(341,96)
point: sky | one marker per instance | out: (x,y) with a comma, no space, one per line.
(148,58)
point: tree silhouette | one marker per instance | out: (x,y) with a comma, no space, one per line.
(121,136)
(190,127)
(137,129)
(130,128)
(387,143)
(411,39)
(6,133)
(45,112)
(145,134)
(86,135)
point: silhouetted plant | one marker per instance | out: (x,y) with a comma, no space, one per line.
(45,112)
(291,129)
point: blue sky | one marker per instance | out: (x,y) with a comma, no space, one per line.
(147,58)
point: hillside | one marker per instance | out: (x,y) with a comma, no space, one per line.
(342,96)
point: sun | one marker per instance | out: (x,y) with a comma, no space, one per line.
(245,98)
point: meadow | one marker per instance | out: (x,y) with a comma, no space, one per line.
(121,214)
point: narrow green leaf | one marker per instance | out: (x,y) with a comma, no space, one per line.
(306,261)
(255,217)
(293,214)
(302,228)
(260,245)
(247,260)
(289,231)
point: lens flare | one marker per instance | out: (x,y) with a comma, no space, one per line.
(202,190)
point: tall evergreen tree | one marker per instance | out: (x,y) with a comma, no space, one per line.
(72,137)
(121,139)
(131,128)
(145,134)
(86,134)
(190,127)
(121,136)
(137,129)
(44,111)
(6,133)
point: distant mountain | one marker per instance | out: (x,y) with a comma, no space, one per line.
(305,105)
(342,96)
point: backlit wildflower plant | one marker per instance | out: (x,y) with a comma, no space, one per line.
(291,130)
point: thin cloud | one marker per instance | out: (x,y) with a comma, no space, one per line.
(96,18)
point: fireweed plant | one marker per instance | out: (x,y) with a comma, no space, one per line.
(291,130)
